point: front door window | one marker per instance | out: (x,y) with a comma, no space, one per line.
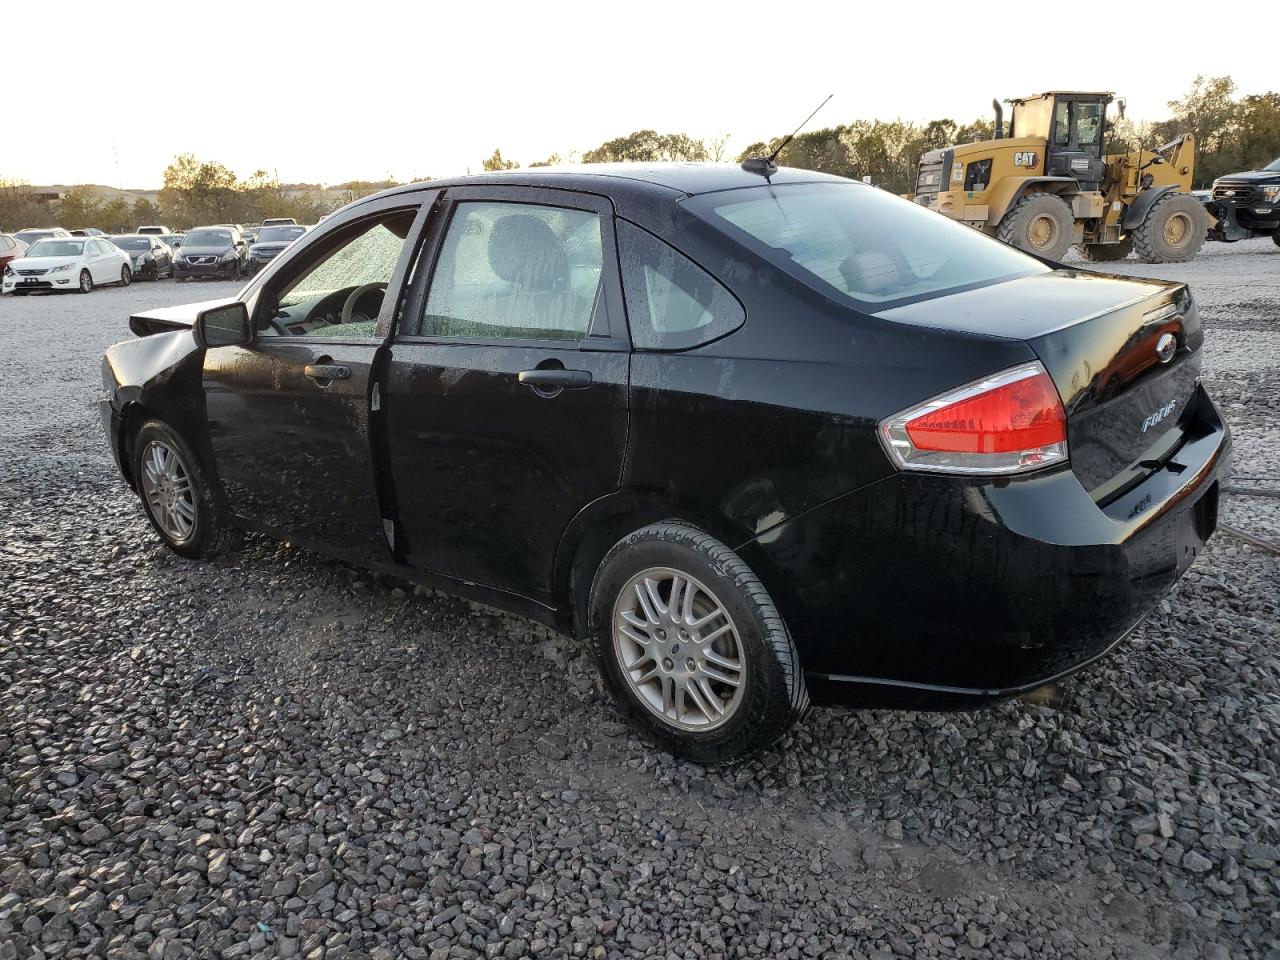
(339,294)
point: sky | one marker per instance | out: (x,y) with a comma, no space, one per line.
(322,92)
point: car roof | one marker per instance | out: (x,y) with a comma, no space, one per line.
(627,180)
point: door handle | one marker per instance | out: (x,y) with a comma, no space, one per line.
(327,371)
(555,379)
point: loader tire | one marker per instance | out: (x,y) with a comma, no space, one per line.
(1039,223)
(1106,252)
(1174,230)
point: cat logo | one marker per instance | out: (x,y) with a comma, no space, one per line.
(1025,158)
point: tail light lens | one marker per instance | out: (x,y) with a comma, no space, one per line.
(1012,422)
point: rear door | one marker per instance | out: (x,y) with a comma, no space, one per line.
(507,386)
(102,268)
(289,415)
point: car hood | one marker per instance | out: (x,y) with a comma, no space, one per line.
(181,317)
(194,251)
(42,263)
(1251,176)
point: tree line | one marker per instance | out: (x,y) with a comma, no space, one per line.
(1232,133)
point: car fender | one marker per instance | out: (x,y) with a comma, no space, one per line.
(601,524)
(157,376)
(1006,194)
(1142,204)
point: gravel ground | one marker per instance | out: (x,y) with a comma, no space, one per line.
(278,755)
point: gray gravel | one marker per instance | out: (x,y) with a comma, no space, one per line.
(278,755)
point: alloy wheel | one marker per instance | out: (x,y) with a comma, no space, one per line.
(86,281)
(166,485)
(679,649)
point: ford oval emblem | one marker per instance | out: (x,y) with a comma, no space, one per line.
(1166,347)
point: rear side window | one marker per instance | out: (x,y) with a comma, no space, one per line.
(515,271)
(853,241)
(672,303)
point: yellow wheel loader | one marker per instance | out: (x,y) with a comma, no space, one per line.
(1045,184)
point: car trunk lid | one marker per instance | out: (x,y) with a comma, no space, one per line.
(1098,337)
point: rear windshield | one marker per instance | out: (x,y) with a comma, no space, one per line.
(280,234)
(56,248)
(207,238)
(132,243)
(861,243)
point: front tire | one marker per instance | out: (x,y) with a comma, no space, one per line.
(692,646)
(86,282)
(1040,223)
(1275,238)
(175,494)
(1174,230)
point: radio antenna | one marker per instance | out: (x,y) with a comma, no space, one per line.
(765,166)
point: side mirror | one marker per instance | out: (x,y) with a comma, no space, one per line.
(224,326)
(1120,106)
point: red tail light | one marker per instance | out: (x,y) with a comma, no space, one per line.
(1008,423)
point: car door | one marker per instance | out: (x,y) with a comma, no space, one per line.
(93,261)
(289,415)
(160,253)
(506,386)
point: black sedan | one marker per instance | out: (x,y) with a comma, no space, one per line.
(150,257)
(764,440)
(215,252)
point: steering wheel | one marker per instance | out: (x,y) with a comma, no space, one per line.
(355,295)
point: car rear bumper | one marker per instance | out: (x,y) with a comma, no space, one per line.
(940,592)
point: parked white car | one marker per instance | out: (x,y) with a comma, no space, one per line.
(67,264)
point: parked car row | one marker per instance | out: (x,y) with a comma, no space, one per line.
(52,258)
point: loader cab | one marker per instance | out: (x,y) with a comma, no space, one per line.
(1072,126)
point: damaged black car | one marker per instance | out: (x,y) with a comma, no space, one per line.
(769,437)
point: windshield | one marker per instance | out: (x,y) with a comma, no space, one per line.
(860,242)
(1031,118)
(1273,165)
(207,238)
(132,243)
(280,234)
(57,248)
(31,236)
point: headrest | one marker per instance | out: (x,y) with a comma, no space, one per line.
(525,251)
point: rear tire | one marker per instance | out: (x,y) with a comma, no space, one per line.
(713,679)
(1173,231)
(126,276)
(176,497)
(1106,252)
(1040,223)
